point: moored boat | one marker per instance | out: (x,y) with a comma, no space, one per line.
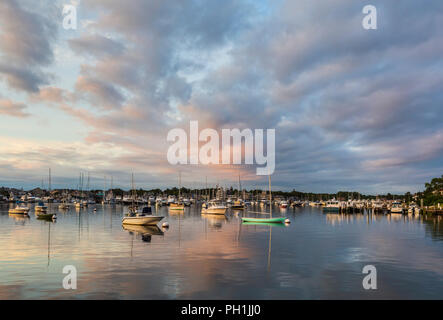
(177,206)
(141,220)
(413,209)
(46,216)
(40,207)
(238,205)
(283,204)
(397,208)
(170,200)
(332,206)
(19,210)
(266,220)
(215,207)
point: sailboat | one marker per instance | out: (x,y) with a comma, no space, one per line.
(179,205)
(40,207)
(135,217)
(266,220)
(238,204)
(64,205)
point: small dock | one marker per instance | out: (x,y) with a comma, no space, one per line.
(433,211)
(350,207)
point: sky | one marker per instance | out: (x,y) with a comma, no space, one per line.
(353,109)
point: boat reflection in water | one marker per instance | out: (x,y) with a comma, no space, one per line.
(218,257)
(270,224)
(23,218)
(146,232)
(215,220)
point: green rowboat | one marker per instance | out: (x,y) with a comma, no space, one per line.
(45,216)
(264,220)
(277,225)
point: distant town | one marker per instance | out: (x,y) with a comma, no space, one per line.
(432,196)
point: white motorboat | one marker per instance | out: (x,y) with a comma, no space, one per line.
(283,204)
(397,208)
(143,218)
(332,206)
(214,207)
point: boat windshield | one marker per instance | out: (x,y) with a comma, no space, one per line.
(215,202)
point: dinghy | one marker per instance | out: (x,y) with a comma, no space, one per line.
(266,220)
(46,216)
(178,205)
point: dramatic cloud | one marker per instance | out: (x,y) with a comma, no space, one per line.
(352,108)
(99,93)
(21,79)
(25,45)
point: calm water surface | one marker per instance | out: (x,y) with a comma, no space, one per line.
(318,256)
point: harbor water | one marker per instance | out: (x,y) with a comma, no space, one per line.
(316,256)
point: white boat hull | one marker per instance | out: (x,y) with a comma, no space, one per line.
(142,221)
(19,211)
(214,210)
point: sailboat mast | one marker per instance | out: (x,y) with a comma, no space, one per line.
(179,184)
(270,197)
(49,180)
(133,190)
(239,184)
